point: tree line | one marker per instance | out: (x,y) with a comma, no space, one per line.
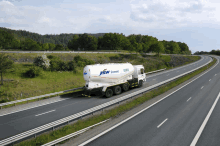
(108,41)
(213,52)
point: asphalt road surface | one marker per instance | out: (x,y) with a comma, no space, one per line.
(22,121)
(176,120)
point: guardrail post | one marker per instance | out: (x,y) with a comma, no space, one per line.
(38,99)
(35,135)
(53,128)
(1,107)
(14,104)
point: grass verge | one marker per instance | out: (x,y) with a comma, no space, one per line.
(50,136)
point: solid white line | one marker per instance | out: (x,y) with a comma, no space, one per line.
(45,112)
(188,99)
(204,122)
(202,87)
(19,110)
(209,80)
(162,123)
(113,127)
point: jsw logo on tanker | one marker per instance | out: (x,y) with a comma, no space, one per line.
(104,72)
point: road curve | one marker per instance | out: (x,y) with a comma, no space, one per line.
(174,121)
(18,122)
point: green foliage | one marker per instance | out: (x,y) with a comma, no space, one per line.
(158,48)
(33,72)
(23,40)
(5,64)
(73,44)
(82,62)
(38,61)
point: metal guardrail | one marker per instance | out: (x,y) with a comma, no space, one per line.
(82,52)
(86,112)
(155,71)
(72,134)
(37,97)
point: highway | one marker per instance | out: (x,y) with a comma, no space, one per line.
(22,121)
(188,117)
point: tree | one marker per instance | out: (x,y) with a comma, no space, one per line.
(5,63)
(73,44)
(158,48)
(59,47)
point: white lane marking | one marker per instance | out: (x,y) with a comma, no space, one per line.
(45,113)
(215,74)
(113,127)
(202,87)
(23,109)
(196,138)
(209,80)
(168,75)
(188,99)
(154,79)
(162,123)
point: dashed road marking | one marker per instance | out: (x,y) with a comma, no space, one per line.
(45,113)
(188,99)
(162,123)
(202,87)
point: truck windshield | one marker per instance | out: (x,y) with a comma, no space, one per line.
(142,71)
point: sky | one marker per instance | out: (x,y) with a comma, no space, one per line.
(194,22)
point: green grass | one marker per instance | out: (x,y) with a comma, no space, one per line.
(47,137)
(50,82)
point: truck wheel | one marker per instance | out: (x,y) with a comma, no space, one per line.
(140,83)
(125,87)
(108,93)
(117,90)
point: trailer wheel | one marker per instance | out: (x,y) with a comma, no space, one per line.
(117,90)
(108,93)
(125,87)
(140,83)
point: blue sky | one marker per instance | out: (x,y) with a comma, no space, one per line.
(195,22)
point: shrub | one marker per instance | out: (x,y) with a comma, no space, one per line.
(63,66)
(89,62)
(71,66)
(81,64)
(33,71)
(78,58)
(38,61)
(55,65)
(42,61)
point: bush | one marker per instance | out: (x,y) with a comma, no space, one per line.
(81,64)
(33,71)
(78,58)
(38,61)
(55,65)
(63,66)
(71,66)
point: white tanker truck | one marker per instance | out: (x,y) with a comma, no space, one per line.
(112,78)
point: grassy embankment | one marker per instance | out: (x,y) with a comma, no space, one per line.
(50,82)
(50,136)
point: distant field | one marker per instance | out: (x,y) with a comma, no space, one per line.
(50,82)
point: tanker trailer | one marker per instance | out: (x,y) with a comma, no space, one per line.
(112,78)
